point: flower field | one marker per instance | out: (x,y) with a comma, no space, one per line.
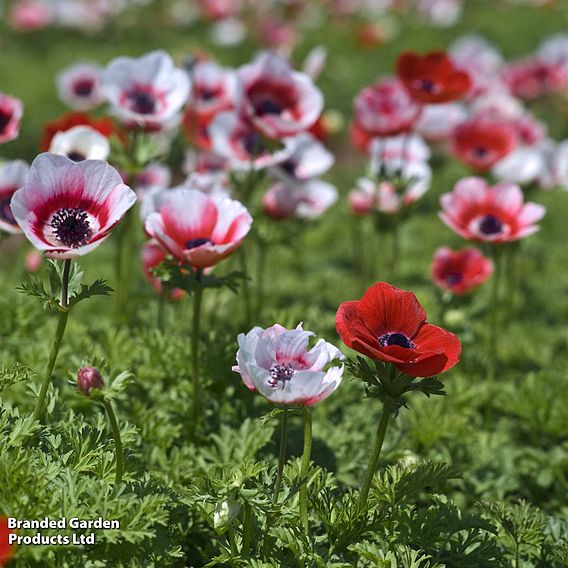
(284,284)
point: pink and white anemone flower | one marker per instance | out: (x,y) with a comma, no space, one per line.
(309,158)
(276,99)
(279,364)
(554,173)
(203,162)
(214,89)
(307,200)
(13,175)
(80,143)
(383,196)
(437,122)
(199,230)
(11,111)
(147,91)
(495,214)
(244,148)
(385,109)
(67,209)
(79,86)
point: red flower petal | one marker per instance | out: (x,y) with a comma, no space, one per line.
(384,308)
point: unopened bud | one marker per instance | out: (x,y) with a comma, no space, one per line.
(89,378)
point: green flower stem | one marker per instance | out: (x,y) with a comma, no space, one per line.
(117,442)
(305,468)
(247,529)
(282,455)
(375,454)
(260,278)
(196,404)
(61,325)
(124,267)
(493,321)
(245,287)
(161,310)
(395,250)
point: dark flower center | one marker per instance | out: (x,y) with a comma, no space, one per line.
(76,156)
(84,87)
(289,166)
(206,94)
(71,227)
(268,106)
(426,85)
(253,144)
(453,278)
(194,243)
(279,374)
(143,102)
(5,118)
(395,338)
(480,152)
(490,225)
(6,211)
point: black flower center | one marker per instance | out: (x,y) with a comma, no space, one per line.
(194,243)
(279,374)
(143,102)
(427,85)
(5,118)
(490,225)
(253,144)
(76,156)
(6,211)
(289,166)
(480,152)
(206,94)
(453,278)
(268,106)
(71,227)
(84,87)
(395,338)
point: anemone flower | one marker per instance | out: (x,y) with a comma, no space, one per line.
(460,271)
(432,78)
(147,91)
(78,86)
(494,214)
(81,143)
(276,99)
(199,230)
(68,209)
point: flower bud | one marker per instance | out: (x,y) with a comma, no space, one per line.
(89,378)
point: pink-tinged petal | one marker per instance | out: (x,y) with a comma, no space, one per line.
(455,226)
(531,213)
(507,197)
(154,226)
(233,224)
(209,255)
(470,190)
(525,232)
(291,348)
(188,214)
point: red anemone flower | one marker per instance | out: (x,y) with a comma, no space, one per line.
(480,143)
(388,324)
(460,271)
(432,78)
(104,126)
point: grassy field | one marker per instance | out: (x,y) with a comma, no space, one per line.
(507,439)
